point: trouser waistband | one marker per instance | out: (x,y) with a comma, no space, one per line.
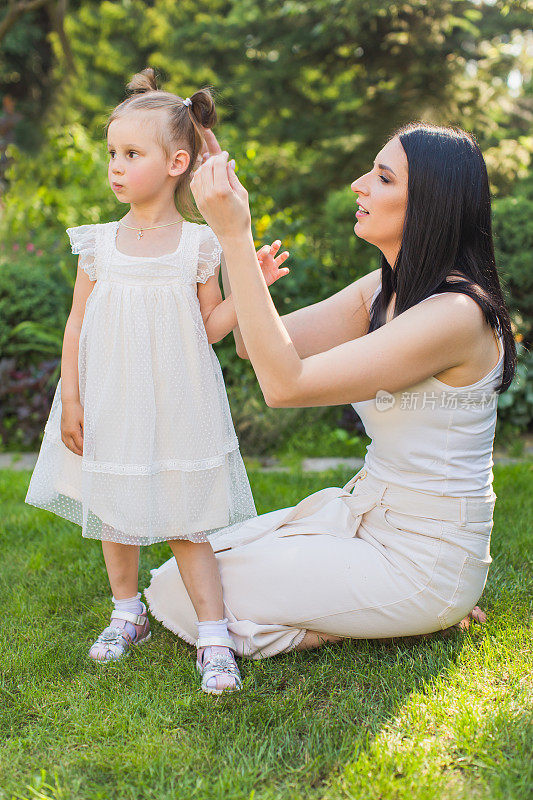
(459,510)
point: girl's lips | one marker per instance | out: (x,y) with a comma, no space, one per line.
(117,186)
(360,213)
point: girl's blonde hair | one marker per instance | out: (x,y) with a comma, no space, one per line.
(183,127)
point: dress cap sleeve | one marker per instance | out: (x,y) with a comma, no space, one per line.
(209,253)
(83,243)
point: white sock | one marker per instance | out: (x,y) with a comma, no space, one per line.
(213,628)
(131,604)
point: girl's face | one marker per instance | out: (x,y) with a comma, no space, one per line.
(139,169)
(382,200)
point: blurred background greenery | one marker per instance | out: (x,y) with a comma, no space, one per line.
(307,91)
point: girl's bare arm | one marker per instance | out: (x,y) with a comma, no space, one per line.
(69,356)
(71,408)
(219,315)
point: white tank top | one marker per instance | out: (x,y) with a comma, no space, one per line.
(434,437)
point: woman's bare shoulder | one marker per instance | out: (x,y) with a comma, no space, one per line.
(367,286)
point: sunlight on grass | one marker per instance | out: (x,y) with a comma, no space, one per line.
(407,718)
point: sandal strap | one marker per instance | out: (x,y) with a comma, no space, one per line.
(219,664)
(214,673)
(136,619)
(209,641)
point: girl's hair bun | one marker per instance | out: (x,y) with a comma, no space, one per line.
(203,108)
(144,81)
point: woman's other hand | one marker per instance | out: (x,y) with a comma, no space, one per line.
(72,426)
(271,264)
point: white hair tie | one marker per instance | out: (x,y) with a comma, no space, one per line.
(187,101)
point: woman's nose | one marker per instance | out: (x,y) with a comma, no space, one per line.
(359,186)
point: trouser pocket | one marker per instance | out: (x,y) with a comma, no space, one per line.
(470,585)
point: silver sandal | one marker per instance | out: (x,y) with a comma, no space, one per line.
(115,641)
(217,664)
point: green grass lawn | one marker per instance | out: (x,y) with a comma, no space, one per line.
(443,717)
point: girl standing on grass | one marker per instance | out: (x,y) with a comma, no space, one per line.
(139,446)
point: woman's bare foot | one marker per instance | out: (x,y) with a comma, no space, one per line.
(314,639)
(476,614)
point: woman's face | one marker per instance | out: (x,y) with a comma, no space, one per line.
(382,200)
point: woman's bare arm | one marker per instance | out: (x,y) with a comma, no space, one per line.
(328,323)
(239,344)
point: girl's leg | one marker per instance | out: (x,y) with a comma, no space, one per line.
(122,562)
(199,571)
(129,622)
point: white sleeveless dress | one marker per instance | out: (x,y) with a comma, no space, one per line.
(160,456)
(402,549)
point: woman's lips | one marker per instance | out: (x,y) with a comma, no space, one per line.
(360,213)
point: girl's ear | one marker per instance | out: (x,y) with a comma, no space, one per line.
(180,163)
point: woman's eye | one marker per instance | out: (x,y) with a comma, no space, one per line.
(384,179)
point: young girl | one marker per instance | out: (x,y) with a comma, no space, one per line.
(139,446)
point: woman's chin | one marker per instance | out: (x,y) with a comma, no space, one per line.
(358,232)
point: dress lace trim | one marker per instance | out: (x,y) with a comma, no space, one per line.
(184,465)
(83,243)
(209,254)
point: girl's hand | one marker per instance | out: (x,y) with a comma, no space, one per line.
(270,264)
(221,198)
(72,426)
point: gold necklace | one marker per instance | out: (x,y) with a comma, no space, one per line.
(140,230)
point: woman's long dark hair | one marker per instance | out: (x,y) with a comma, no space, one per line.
(447,232)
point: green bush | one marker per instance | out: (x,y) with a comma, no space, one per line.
(515,406)
(69,187)
(30,294)
(513,238)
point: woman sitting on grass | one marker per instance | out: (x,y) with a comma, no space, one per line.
(421,348)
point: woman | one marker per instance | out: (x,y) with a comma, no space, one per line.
(420,347)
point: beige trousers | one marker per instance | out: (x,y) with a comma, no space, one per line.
(371,560)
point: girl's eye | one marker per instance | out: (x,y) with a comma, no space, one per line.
(112,152)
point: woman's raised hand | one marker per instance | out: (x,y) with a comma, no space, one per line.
(211,146)
(266,255)
(270,263)
(221,198)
